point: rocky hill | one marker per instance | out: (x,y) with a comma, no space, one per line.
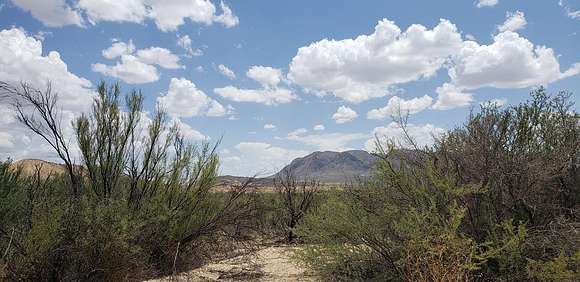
(334,167)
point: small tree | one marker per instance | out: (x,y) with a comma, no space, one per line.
(104,137)
(296,197)
(39,112)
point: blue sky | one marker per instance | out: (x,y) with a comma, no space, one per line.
(434,60)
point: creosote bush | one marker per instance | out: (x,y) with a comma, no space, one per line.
(141,202)
(493,200)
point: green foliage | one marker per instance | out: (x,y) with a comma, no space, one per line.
(560,268)
(494,199)
(145,203)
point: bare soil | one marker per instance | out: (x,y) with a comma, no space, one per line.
(272,263)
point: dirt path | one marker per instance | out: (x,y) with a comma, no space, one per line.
(268,264)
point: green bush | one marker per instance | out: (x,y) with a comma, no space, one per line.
(141,204)
(495,199)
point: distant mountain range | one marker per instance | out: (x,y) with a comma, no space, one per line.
(327,166)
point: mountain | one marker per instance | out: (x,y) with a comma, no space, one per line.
(46,168)
(327,166)
(332,167)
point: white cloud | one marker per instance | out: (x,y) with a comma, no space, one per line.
(511,61)
(184,99)
(266,76)
(227,72)
(470,37)
(487,3)
(119,48)
(514,21)
(262,96)
(22,60)
(318,127)
(269,94)
(397,106)
(159,56)
(269,126)
(52,13)
(297,132)
(370,66)
(130,69)
(227,18)
(257,158)
(167,15)
(573,14)
(329,141)
(450,97)
(344,114)
(359,69)
(115,11)
(422,135)
(188,132)
(185,43)
(136,66)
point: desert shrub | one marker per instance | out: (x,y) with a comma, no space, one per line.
(141,204)
(295,198)
(495,199)
(404,221)
(560,268)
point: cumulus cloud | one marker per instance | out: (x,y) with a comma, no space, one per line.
(397,106)
(263,96)
(514,21)
(21,59)
(184,99)
(114,11)
(136,66)
(510,61)
(168,16)
(270,93)
(188,132)
(269,126)
(159,56)
(227,72)
(119,48)
(422,135)
(370,66)
(52,13)
(359,69)
(266,159)
(266,76)
(227,18)
(130,70)
(450,96)
(318,127)
(344,114)
(487,3)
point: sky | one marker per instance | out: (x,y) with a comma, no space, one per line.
(276,80)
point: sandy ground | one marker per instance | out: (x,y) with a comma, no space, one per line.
(268,264)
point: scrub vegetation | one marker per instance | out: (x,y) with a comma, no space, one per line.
(495,199)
